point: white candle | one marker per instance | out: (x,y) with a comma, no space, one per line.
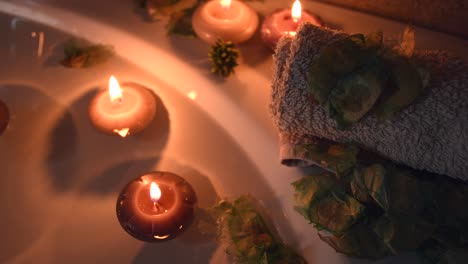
(122,111)
(229,20)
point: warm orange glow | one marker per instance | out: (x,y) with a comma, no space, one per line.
(296,11)
(155,192)
(192,95)
(114,89)
(124,132)
(226,4)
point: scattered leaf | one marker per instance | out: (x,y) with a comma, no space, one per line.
(356,74)
(81,54)
(359,241)
(180,22)
(336,157)
(355,95)
(408,85)
(248,236)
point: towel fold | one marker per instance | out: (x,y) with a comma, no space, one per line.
(430,134)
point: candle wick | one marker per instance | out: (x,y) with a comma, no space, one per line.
(156,207)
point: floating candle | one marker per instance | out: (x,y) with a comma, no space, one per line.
(229,20)
(122,111)
(156,206)
(285,22)
(4,117)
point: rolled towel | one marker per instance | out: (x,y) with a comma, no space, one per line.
(430,134)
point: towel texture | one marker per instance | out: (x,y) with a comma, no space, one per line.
(430,134)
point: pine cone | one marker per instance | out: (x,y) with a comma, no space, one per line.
(223,56)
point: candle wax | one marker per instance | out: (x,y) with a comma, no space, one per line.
(236,23)
(281,23)
(132,113)
(4,117)
(158,221)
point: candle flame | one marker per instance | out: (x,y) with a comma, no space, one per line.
(155,192)
(114,89)
(226,4)
(296,11)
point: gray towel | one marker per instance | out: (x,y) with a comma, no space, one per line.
(430,134)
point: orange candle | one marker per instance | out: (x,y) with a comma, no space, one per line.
(122,110)
(156,206)
(4,117)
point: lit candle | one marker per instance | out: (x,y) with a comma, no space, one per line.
(4,117)
(156,206)
(285,22)
(229,20)
(122,111)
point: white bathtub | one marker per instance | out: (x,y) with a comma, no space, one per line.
(59,178)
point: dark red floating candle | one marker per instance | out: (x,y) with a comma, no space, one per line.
(156,206)
(4,117)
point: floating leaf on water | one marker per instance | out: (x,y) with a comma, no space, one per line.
(80,53)
(180,22)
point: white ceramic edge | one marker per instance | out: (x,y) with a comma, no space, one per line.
(147,56)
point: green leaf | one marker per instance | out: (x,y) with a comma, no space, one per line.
(322,201)
(373,41)
(336,212)
(80,53)
(370,182)
(408,85)
(403,232)
(339,158)
(355,95)
(160,9)
(310,189)
(320,82)
(248,237)
(180,22)
(359,241)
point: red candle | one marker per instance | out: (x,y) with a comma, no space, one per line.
(4,117)
(156,206)
(285,22)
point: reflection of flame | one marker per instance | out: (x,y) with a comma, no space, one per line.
(296,11)
(192,95)
(114,89)
(161,237)
(226,4)
(155,192)
(122,132)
